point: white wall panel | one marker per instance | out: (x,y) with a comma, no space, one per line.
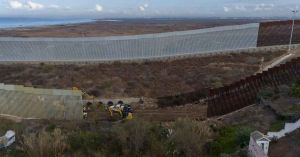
(129,47)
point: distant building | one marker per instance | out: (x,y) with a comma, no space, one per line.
(258,145)
(8,139)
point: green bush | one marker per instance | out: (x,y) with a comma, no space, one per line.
(279,123)
(230,139)
(243,136)
(50,127)
(277,126)
(295,90)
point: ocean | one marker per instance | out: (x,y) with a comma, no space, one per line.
(33,22)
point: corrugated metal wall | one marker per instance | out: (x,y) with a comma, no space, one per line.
(278,33)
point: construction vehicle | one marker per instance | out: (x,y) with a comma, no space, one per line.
(123,110)
(8,139)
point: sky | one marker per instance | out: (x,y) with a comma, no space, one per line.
(147,8)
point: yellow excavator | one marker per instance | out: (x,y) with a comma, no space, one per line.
(123,110)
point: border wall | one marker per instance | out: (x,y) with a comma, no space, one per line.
(244,92)
(158,46)
(191,97)
(278,33)
(165,58)
(89,49)
(28,102)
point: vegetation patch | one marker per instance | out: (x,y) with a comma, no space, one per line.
(277,126)
(136,138)
(295,108)
(230,139)
(295,90)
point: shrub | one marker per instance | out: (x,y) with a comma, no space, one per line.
(50,127)
(280,121)
(295,90)
(230,139)
(12,152)
(243,153)
(243,136)
(188,138)
(44,144)
(277,126)
(132,136)
(140,138)
(9,125)
(86,141)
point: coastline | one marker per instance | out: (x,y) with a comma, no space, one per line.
(32,26)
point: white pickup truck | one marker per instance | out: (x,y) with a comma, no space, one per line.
(8,139)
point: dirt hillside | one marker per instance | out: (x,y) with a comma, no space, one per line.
(149,79)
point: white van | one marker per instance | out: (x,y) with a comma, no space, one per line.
(8,139)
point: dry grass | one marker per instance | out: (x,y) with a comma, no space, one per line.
(44,144)
(150,79)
